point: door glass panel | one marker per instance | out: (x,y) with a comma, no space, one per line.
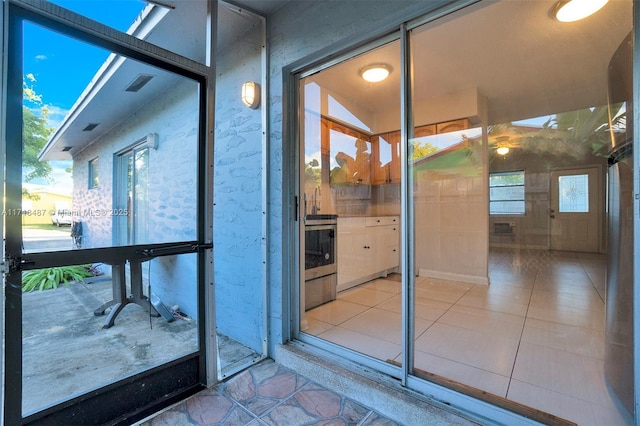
(351,206)
(103,11)
(482,292)
(160,23)
(136,119)
(124,311)
(65,341)
(573,194)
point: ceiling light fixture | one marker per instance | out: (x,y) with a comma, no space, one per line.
(375,73)
(574,10)
(503,150)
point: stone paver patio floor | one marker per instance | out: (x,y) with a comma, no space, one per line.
(268,394)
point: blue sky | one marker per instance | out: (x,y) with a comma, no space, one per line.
(63,66)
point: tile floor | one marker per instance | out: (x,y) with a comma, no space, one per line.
(534,336)
(268,394)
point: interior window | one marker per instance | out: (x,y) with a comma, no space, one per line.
(506,193)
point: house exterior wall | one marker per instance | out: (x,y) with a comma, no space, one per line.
(173,116)
(238,215)
(36,211)
(298,30)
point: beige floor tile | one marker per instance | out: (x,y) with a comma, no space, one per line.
(563,372)
(516,319)
(336,312)
(394,304)
(384,285)
(498,323)
(377,348)
(383,325)
(425,308)
(465,374)
(493,303)
(558,367)
(440,294)
(486,351)
(364,296)
(589,299)
(315,326)
(584,413)
(564,337)
(517,295)
(564,286)
(568,316)
(430,309)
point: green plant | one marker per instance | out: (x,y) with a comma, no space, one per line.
(49,278)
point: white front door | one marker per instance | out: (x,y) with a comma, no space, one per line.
(574,210)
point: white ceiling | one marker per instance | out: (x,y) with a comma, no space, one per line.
(524,62)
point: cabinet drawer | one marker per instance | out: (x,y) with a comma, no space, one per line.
(382,220)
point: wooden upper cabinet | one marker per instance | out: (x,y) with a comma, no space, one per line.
(423,131)
(452,126)
(383,163)
(386,161)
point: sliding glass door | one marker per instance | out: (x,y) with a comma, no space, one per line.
(497,171)
(350,292)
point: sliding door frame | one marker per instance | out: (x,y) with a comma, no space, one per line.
(293,174)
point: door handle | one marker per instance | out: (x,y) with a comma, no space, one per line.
(552,216)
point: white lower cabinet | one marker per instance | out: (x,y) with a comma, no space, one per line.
(368,247)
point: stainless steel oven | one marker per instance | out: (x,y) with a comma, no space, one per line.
(320,260)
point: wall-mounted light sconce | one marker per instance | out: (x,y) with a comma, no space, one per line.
(375,73)
(574,10)
(251,94)
(503,150)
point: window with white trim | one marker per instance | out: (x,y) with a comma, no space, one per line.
(506,193)
(93,173)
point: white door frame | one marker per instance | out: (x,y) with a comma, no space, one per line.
(596,198)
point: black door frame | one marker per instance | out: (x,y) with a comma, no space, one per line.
(137,396)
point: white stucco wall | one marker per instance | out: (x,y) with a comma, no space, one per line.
(237,236)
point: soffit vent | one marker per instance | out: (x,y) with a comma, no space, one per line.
(139,82)
(90,127)
(67,148)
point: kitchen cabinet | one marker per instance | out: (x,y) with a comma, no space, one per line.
(368,247)
(386,149)
(386,160)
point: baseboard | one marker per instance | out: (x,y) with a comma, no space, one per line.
(518,246)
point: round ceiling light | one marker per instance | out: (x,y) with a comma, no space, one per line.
(574,10)
(503,150)
(375,73)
